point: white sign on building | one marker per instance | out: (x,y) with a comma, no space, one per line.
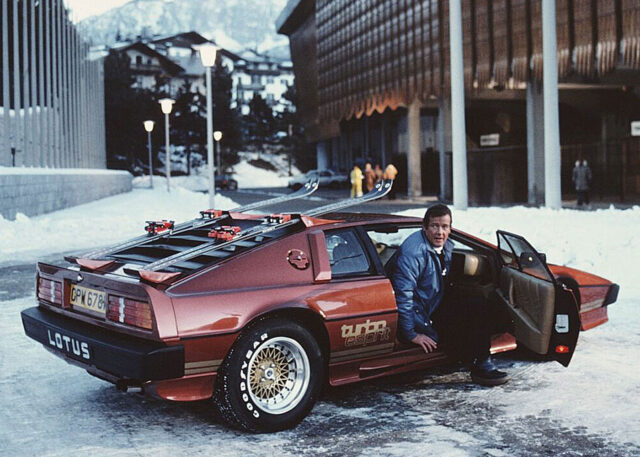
(492,139)
(635,128)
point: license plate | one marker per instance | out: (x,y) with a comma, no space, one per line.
(88,299)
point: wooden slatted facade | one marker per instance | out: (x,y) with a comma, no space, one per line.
(357,61)
(379,54)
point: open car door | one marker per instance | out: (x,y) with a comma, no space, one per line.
(545,314)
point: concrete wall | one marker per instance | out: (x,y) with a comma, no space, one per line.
(42,191)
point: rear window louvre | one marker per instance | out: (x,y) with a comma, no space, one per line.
(147,252)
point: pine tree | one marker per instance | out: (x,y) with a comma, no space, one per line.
(125,111)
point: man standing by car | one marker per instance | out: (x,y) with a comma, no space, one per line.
(418,271)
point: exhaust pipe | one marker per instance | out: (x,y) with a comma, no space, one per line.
(124,385)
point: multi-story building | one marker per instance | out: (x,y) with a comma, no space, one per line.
(373,82)
(264,76)
(174,62)
(52,138)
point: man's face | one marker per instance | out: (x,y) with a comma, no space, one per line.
(438,230)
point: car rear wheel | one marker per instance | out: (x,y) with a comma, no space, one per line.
(271,378)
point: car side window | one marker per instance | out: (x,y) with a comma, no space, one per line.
(523,256)
(387,240)
(460,246)
(346,253)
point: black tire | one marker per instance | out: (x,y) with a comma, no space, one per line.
(244,386)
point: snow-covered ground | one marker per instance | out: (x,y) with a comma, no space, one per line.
(597,393)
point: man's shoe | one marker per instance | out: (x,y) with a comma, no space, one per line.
(485,373)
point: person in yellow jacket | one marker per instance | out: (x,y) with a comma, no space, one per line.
(390,172)
(356,181)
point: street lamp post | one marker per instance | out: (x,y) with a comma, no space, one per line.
(217,136)
(208,56)
(290,146)
(148,126)
(166,104)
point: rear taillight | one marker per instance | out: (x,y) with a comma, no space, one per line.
(130,312)
(50,291)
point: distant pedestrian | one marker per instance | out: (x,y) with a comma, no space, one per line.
(369,177)
(581,177)
(356,181)
(390,172)
(378,171)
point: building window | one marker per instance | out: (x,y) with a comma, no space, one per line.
(149,61)
(255,79)
(269,79)
(138,60)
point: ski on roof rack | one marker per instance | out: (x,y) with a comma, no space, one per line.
(207,217)
(268,224)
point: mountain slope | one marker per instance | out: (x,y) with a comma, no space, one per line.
(233,24)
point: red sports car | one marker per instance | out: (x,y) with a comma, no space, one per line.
(258,312)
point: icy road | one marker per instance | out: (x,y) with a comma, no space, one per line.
(592,408)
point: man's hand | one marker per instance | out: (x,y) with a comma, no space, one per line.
(426,343)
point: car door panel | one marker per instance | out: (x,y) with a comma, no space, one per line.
(545,316)
(530,302)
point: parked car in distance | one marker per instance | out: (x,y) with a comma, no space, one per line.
(326,178)
(226,182)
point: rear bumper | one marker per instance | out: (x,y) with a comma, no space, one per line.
(122,356)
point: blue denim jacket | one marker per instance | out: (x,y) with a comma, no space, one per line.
(418,284)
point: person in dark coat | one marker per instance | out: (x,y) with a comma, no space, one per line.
(581,177)
(418,272)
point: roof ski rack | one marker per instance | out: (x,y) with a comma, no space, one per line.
(269,224)
(207,217)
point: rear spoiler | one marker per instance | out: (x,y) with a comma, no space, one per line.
(612,295)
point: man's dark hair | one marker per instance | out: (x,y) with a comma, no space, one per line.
(437,210)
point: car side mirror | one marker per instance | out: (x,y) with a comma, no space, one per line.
(529,259)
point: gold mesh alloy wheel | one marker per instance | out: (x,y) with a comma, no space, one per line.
(278,375)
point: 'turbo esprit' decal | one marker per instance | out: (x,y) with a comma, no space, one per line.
(365,333)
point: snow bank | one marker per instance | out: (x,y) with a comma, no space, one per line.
(601,241)
(249,176)
(101,222)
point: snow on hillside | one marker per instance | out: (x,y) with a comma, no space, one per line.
(230,23)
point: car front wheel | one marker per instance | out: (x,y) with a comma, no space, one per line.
(271,378)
